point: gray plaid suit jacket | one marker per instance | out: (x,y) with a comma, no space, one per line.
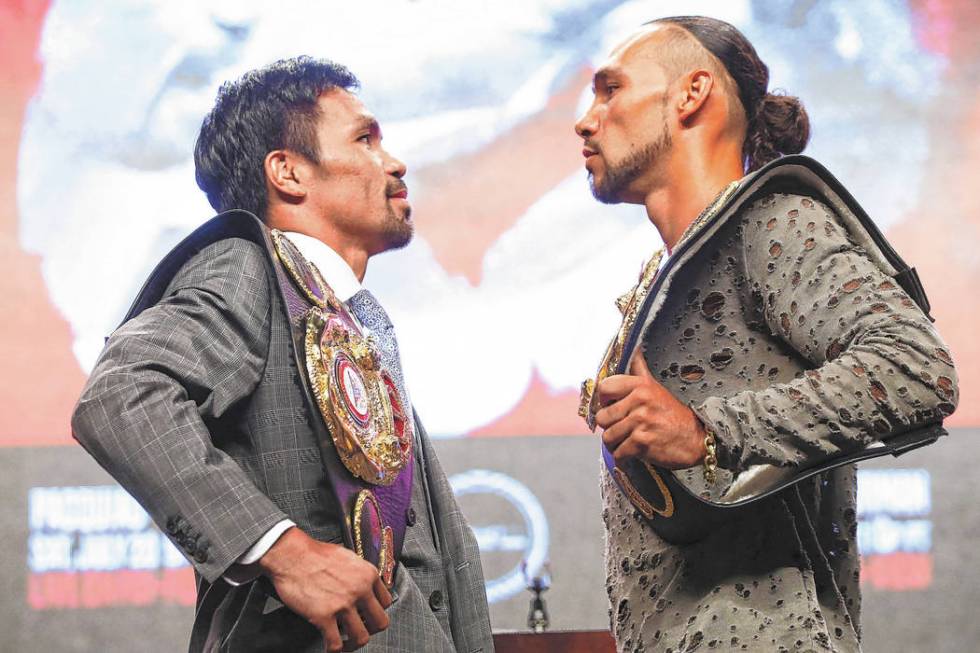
(195,408)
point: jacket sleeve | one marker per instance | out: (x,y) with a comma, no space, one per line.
(877,365)
(163,377)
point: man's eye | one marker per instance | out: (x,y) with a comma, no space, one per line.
(366,138)
(611,88)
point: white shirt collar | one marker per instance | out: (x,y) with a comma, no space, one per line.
(335,270)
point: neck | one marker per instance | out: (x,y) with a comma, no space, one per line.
(356,257)
(693,181)
(354,253)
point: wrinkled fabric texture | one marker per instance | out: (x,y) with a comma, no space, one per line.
(195,408)
(790,344)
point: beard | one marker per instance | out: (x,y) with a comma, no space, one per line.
(397,231)
(609,189)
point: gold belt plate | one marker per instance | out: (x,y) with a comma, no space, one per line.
(355,399)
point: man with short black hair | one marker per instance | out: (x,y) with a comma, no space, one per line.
(778,336)
(253,400)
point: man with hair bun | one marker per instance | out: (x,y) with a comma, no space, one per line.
(777,334)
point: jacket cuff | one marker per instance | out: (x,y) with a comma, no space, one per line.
(245,569)
(213,545)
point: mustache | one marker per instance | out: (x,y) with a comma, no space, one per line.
(395,186)
(592,145)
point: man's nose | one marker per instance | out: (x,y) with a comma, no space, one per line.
(587,125)
(395,167)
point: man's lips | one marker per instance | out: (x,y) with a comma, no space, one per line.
(589,153)
(402,194)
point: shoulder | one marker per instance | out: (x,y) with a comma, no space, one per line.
(793,220)
(768,208)
(225,264)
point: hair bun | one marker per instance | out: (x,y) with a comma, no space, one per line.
(780,126)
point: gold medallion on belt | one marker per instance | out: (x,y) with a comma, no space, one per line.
(355,398)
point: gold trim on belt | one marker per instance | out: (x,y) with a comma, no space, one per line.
(629,305)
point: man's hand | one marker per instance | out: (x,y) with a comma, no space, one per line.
(643,420)
(330,586)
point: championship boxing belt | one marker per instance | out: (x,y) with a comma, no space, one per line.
(365,439)
(675,506)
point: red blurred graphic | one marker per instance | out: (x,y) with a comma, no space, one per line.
(101,589)
(897,572)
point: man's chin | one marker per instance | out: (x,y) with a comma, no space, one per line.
(602,193)
(402,240)
(398,235)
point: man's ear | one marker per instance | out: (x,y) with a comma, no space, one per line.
(285,173)
(694,94)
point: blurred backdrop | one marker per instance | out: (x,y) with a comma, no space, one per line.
(503,302)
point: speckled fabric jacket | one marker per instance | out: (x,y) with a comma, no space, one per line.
(791,343)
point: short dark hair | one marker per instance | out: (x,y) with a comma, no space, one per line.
(271,108)
(776,123)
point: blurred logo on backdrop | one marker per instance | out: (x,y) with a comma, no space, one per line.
(95,547)
(894,529)
(510,526)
